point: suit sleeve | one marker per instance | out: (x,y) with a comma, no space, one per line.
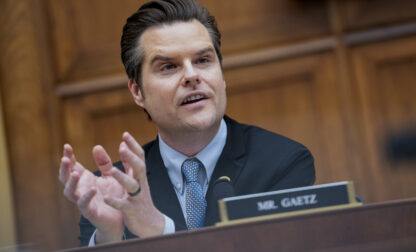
(299,170)
(86,231)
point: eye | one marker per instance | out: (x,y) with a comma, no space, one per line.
(167,67)
(203,60)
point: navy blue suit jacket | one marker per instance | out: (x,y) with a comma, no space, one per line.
(256,160)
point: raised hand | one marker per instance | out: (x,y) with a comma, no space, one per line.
(140,215)
(88,192)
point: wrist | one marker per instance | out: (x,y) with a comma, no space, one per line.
(105,237)
(152,227)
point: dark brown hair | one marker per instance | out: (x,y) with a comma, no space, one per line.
(156,13)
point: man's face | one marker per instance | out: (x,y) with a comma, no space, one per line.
(182,80)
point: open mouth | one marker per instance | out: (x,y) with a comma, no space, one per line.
(193,99)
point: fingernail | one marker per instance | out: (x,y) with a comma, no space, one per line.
(126,134)
(123,146)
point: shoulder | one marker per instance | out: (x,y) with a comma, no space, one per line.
(276,161)
(262,140)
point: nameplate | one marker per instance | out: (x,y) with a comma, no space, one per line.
(287,202)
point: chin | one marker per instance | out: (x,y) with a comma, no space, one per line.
(203,122)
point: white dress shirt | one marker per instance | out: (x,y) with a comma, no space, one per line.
(208,156)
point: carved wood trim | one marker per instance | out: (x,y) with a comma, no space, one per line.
(230,62)
(373,35)
(279,53)
(91,86)
(385,87)
(254,57)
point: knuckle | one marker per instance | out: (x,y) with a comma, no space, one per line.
(140,151)
(83,201)
(69,195)
(66,194)
(67,190)
(80,204)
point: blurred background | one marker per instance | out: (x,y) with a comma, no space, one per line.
(338,76)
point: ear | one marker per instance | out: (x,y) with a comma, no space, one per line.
(136,92)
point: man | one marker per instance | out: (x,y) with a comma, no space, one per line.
(171,52)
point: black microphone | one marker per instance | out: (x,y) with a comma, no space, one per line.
(223,188)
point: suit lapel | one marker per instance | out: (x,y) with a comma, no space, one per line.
(230,164)
(163,193)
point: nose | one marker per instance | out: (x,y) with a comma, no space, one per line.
(191,77)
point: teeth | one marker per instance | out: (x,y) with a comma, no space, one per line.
(193,98)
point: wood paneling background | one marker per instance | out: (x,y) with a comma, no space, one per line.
(7,227)
(337,75)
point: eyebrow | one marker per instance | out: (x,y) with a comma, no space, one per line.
(160,57)
(165,58)
(206,49)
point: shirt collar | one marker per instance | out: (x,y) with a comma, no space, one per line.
(209,156)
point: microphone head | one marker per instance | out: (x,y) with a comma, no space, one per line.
(223,188)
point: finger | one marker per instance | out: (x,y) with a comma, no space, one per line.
(128,182)
(136,163)
(102,160)
(69,152)
(133,145)
(85,200)
(64,169)
(118,204)
(70,187)
(127,167)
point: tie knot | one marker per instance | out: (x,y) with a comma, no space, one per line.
(190,169)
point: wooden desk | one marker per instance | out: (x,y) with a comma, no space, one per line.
(388,226)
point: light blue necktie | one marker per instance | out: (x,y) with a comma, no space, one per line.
(195,200)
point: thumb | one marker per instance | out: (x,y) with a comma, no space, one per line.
(118,204)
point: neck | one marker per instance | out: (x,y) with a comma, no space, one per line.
(189,143)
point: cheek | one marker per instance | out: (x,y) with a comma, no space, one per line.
(161,95)
(215,79)
(158,87)
(220,87)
